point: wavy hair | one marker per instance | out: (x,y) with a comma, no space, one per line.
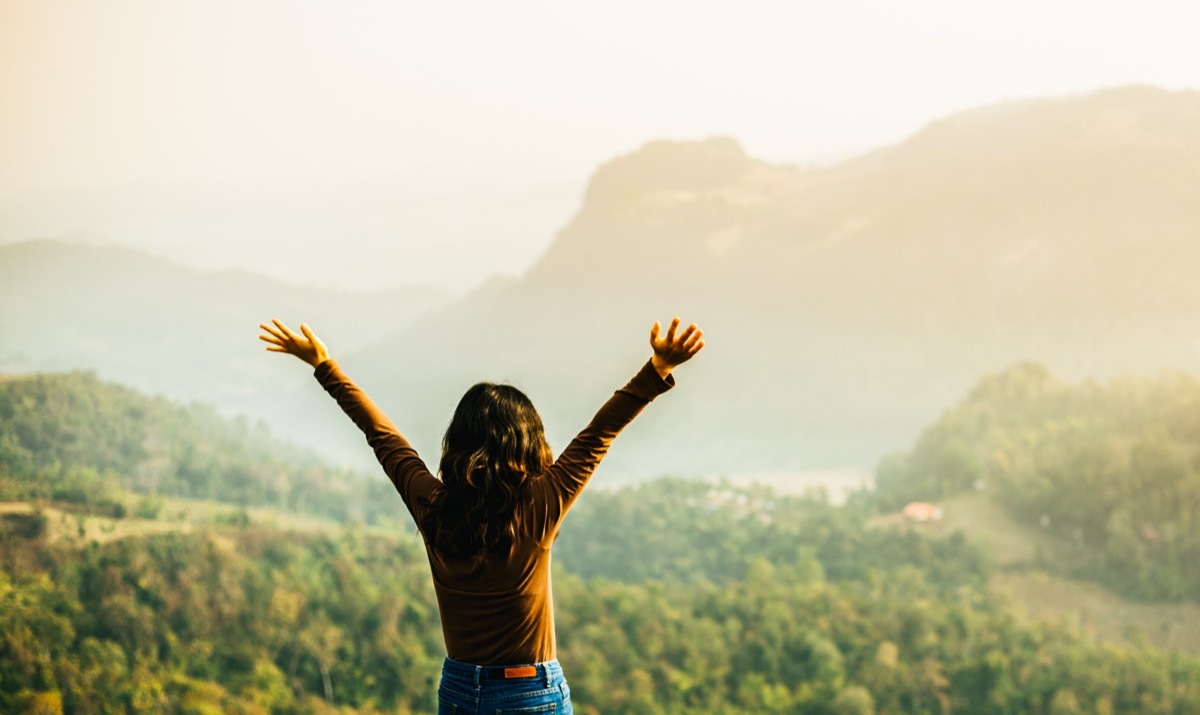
(494,445)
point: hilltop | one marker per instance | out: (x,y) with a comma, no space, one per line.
(844,306)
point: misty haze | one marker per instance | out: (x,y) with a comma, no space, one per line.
(940,452)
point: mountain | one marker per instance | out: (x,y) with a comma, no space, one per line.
(843,306)
(188,334)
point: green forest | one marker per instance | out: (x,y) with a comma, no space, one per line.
(672,596)
(70,437)
(1111,469)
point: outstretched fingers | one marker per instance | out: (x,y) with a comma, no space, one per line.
(674,340)
(280,338)
(686,335)
(271,331)
(275,343)
(675,347)
(287,332)
(671,330)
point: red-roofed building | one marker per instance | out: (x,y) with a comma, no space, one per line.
(923,511)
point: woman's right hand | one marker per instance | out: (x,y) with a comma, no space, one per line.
(671,350)
(308,347)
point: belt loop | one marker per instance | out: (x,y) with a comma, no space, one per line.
(478,670)
(546,672)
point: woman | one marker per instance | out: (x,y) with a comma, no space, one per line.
(490,520)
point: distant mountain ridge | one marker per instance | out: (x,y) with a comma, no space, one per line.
(169,329)
(845,306)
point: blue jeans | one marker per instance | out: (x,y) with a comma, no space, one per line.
(496,689)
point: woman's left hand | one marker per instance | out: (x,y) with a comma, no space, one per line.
(308,347)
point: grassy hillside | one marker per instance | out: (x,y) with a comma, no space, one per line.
(1033,585)
(73,438)
(1111,470)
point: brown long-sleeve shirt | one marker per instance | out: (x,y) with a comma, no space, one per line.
(498,609)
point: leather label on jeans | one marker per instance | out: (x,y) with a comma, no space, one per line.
(525,671)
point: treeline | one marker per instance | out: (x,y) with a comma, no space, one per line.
(690,532)
(671,597)
(1111,469)
(258,620)
(71,437)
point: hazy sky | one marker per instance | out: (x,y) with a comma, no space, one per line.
(442,141)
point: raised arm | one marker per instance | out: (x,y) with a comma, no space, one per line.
(579,460)
(399,460)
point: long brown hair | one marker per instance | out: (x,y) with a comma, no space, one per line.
(494,445)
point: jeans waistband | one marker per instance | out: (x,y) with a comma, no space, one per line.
(477,674)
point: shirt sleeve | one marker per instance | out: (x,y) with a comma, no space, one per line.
(575,466)
(399,460)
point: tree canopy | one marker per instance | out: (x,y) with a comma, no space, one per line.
(1111,468)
